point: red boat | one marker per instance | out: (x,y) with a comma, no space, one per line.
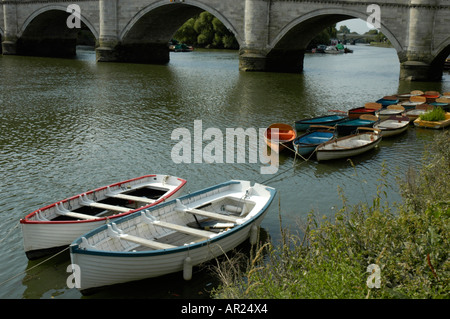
(369,108)
(431,96)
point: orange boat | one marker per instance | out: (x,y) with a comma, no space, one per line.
(279,135)
(431,96)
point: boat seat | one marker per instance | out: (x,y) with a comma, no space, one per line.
(145,242)
(60,210)
(204,213)
(184,229)
(132,198)
(115,232)
(87,202)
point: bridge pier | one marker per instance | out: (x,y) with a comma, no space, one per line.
(10,32)
(252,54)
(420,71)
(110,49)
(108,37)
(416,64)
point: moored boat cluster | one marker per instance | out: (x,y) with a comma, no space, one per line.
(360,129)
(143,228)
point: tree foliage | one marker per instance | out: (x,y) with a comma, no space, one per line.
(206,31)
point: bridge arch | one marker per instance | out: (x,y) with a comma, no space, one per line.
(45,33)
(440,54)
(335,15)
(55,7)
(286,49)
(144,39)
(188,3)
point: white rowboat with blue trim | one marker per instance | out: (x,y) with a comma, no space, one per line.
(171,237)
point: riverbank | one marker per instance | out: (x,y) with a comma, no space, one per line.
(378,250)
(381,44)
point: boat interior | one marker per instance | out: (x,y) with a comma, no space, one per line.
(111,204)
(172,227)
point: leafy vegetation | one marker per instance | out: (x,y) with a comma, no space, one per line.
(206,31)
(437,114)
(331,257)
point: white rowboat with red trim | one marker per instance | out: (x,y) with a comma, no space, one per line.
(54,227)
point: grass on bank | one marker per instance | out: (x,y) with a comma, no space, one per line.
(331,257)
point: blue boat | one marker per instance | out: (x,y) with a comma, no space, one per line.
(328,120)
(306,144)
(442,102)
(388,100)
(350,126)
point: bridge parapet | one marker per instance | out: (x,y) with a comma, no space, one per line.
(272,34)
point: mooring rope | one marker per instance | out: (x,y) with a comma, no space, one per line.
(293,165)
(37,265)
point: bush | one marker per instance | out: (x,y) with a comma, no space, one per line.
(205,30)
(409,242)
(437,114)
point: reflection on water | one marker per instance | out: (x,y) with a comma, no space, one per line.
(68,126)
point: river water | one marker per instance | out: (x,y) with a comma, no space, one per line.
(71,125)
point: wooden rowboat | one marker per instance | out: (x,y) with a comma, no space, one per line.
(327,120)
(414,101)
(393,125)
(433,124)
(431,96)
(54,227)
(307,143)
(350,145)
(350,126)
(369,108)
(418,110)
(278,135)
(171,237)
(388,100)
(443,102)
(391,110)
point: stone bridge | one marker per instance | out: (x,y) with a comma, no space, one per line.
(272,34)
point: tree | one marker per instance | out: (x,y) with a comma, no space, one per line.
(344,29)
(323,37)
(205,30)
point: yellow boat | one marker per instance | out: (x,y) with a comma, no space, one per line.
(433,124)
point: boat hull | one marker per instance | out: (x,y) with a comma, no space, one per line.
(305,124)
(433,124)
(324,152)
(392,126)
(350,126)
(357,112)
(42,237)
(279,141)
(100,268)
(307,143)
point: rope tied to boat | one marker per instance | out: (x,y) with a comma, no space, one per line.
(37,265)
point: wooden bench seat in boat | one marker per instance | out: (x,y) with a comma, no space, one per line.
(115,232)
(212,215)
(133,198)
(145,242)
(60,210)
(87,202)
(184,229)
